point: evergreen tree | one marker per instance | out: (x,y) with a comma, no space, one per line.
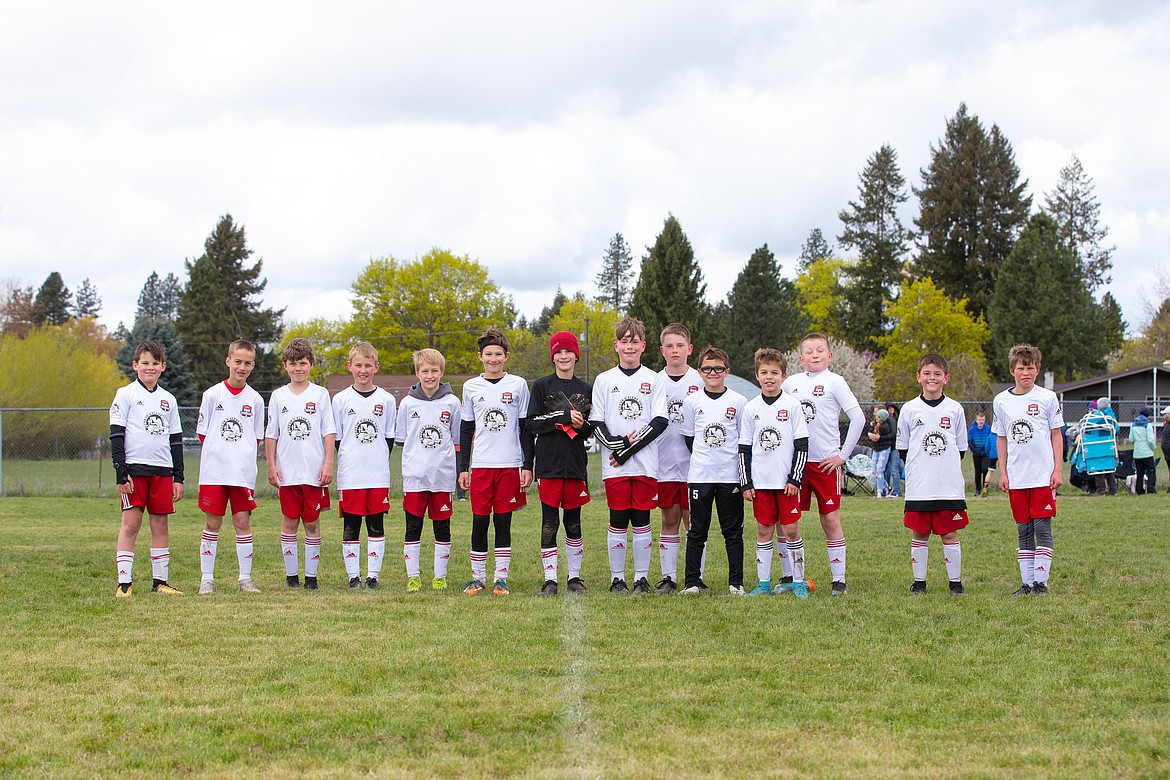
(1074,206)
(762,310)
(615,282)
(87,302)
(177,378)
(670,288)
(159,298)
(1114,324)
(539,326)
(815,248)
(873,229)
(221,303)
(972,208)
(53,302)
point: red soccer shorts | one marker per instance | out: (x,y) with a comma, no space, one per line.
(941,521)
(622,493)
(214,499)
(152,494)
(563,493)
(303,502)
(826,486)
(1032,503)
(424,502)
(771,506)
(673,494)
(363,501)
(496,490)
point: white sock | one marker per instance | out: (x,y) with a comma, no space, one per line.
(208,544)
(312,555)
(617,553)
(785,560)
(503,556)
(479,566)
(410,554)
(160,562)
(288,548)
(125,566)
(668,554)
(442,556)
(796,555)
(643,544)
(836,549)
(574,553)
(1043,566)
(351,554)
(244,555)
(764,560)
(953,556)
(375,552)
(919,552)
(1026,562)
(548,557)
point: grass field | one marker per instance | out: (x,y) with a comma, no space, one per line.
(386,684)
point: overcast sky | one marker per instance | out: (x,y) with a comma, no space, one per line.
(526,134)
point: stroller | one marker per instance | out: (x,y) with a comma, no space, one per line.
(1096,446)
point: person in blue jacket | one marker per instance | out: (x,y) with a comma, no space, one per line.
(981,444)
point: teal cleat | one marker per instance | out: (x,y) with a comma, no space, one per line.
(800,590)
(763,588)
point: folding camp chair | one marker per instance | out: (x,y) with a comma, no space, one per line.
(859,476)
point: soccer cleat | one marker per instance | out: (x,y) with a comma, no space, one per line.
(166,589)
(371,583)
(413,584)
(292,581)
(355,583)
(918,588)
(983,493)
(549,588)
(763,588)
(125,590)
(956,588)
(439,583)
(1024,590)
(1040,589)
(694,590)
(838,588)
(206,587)
(800,589)
(247,586)
(785,586)
(735,590)
(500,588)
(619,586)
(576,585)
(642,586)
(473,587)
(666,586)
(310,583)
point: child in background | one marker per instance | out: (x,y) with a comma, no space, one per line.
(979,440)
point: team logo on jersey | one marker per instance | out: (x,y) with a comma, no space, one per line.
(630,408)
(1021,431)
(934,444)
(310,407)
(365,431)
(715,436)
(430,437)
(445,418)
(944,423)
(505,397)
(115,409)
(165,405)
(809,409)
(154,425)
(782,415)
(245,411)
(818,391)
(692,390)
(495,419)
(674,412)
(644,388)
(231,429)
(730,413)
(769,439)
(1034,410)
(378,410)
(299,429)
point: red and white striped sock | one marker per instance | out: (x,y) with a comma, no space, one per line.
(442,557)
(953,557)
(1027,561)
(160,562)
(574,553)
(503,562)
(410,554)
(125,566)
(617,553)
(836,549)
(351,556)
(919,553)
(668,545)
(548,559)
(375,553)
(312,555)
(479,566)
(643,544)
(288,548)
(1043,564)
(244,555)
(208,544)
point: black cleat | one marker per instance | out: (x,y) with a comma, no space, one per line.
(292,581)
(956,588)
(1025,590)
(576,585)
(665,587)
(549,589)
(355,583)
(917,589)
(371,583)
(642,585)
(838,589)
(1040,589)
(619,586)
(310,583)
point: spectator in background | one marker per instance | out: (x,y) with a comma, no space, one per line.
(1141,434)
(881,438)
(980,444)
(1166,440)
(894,467)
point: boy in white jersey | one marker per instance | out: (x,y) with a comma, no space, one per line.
(711,427)
(146,441)
(824,396)
(491,458)
(679,380)
(932,437)
(629,414)
(299,445)
(773,451)
(1027,426)
(231,426)
(427,429)
(364,416)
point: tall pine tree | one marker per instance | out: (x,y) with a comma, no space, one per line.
(87,302)
(53,302)
(221,303)
(1073,204)
(159,298)
(615,281)
(762,310)
(670,287)
(815,248)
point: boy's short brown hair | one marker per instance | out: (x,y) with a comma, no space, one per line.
(934,359)
(714,353)
(493,336)
(239,344)
(814,336)
(432,357)
(629,326)
(769,355)
(1024,354)
(363,349)
(298,349)
(676,329)
(153,348)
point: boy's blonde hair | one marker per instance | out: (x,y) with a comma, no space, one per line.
(933,359)
(298,349)
(675,329)
(431,357)
(239,344)
(769,355)
(629,326)
(363,349)
(814,336)
(1024,354)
